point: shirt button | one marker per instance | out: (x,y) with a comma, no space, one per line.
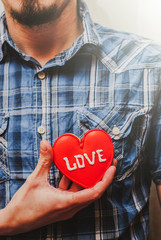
(41,75)
(41,130)
(115,130)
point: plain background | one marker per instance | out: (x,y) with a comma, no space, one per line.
(142,17)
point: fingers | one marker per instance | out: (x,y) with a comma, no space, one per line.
(75,200)
(87,196)
(45,160)
(66,184)
(114,162)
(75,187)
(106,180)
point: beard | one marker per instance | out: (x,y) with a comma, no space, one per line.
(32,14)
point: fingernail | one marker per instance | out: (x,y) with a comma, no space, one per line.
(43,146)
(114,162)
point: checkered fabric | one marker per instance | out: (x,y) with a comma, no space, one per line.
(107,79)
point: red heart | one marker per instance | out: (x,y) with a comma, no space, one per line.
(84,161)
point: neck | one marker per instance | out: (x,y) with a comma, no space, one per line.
(46,41)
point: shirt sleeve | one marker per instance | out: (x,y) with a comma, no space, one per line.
(154,140)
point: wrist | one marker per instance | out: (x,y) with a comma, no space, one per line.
(5,227)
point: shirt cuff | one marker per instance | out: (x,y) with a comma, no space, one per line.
(156,176)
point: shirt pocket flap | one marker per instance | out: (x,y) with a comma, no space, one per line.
(4,168)
(128,135)
(3,123)
(107,118)
(4,174)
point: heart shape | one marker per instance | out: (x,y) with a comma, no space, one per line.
(84,161)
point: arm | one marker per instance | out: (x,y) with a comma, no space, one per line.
(159,193)
(37,203)
(3,223)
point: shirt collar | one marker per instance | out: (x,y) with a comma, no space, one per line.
(3,34)
(5,37)
(89,36)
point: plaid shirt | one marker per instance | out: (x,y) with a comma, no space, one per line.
(108,80)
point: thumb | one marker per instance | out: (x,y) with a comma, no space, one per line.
(45,159)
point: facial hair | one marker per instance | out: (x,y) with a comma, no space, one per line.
(32,14)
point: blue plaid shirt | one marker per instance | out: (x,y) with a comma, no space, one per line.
(107,79)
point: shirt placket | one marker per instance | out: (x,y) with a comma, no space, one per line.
(41,115)
(48,130)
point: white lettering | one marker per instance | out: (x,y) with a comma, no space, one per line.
(68,165)
(100,155)
(91,162)
(78,162)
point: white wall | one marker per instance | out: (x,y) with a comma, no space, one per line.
(1,6)
(142,17)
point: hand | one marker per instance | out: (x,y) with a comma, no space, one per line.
(37,203)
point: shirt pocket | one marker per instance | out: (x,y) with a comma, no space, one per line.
(4,166)
(127,129)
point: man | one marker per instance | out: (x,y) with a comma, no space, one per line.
(62,73)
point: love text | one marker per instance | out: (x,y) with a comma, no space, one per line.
(80,160)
